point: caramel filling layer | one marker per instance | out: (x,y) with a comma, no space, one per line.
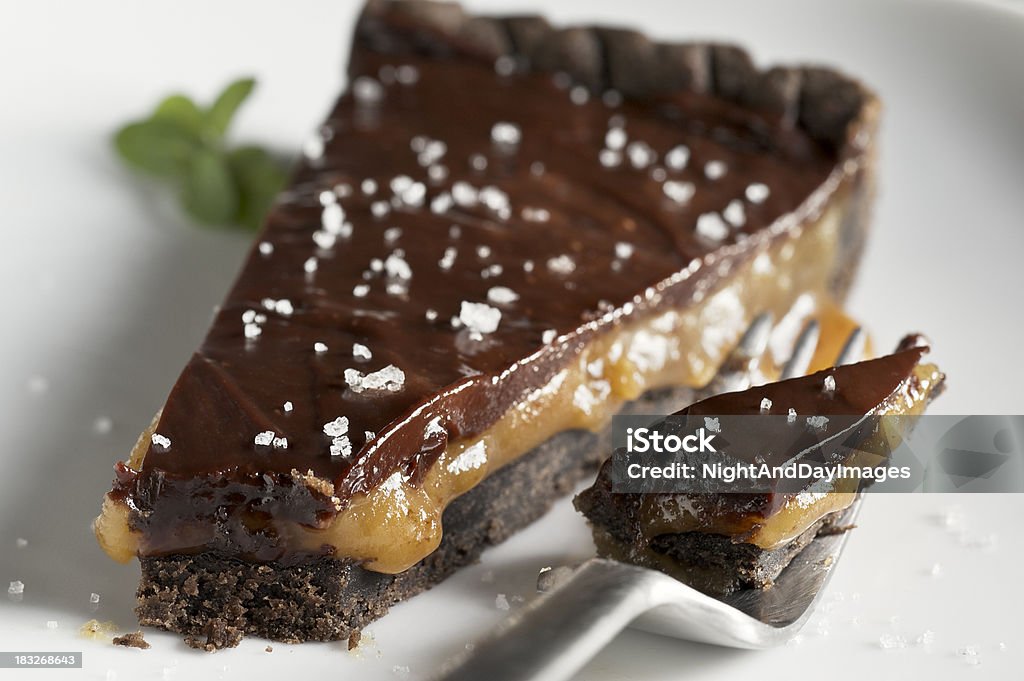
(660,514)
(399,523)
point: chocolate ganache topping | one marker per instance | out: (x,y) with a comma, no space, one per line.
(461,225)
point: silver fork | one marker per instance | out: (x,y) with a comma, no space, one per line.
(585,607)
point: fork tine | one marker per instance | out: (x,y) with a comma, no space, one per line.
(803,352)
(755,339)
(853,348)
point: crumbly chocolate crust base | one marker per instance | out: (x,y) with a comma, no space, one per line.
(215,601)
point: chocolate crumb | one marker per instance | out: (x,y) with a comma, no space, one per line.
(132,640)
(353,640)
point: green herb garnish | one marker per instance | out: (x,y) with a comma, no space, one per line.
(185,145)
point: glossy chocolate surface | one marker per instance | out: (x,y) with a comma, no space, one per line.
(436,182)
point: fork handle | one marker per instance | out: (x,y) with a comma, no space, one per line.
(555,635)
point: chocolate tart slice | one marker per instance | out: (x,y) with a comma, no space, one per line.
(503,233)
(720,542)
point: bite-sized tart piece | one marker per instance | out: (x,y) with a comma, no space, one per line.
(720,542)
(502,234)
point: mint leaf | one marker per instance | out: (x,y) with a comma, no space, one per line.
(223,109)
(259,177)
(183,112)
(209,192)
(157,146)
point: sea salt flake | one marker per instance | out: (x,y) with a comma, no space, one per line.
(735,214)
(502,295)
(366,90)
(505,65)
(579,95)
(757,193)
(680,192)
(324,240)
(711,227)
(536,214)
(360,351)
(396,267)
(479,317)
(506,134)
(161,441)
(615,139)
(766,405)
(448,259)
(266,248)
(464,194)
(829,384)
(640,154)
(341,446)
(319,347)
(288,406)
(714,170)
(264,439)
(441,203)
(337,427)
(609,158)
(677,157)
(624,250)
(562,264)
(817,422)
(390,379)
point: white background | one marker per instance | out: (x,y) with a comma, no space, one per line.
(106,290)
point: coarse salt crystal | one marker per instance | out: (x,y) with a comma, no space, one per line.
(337,427)
(791,416)
(288,406)
(360,351)
(562,264)
(319,347)
(640,154)
(310,265)
(159,440)
(766,405)
(448,259)
(368,186)
(366,90)
(280,443)
(360,290)
(757,193)
(390,378)
(397,267)
(714,170)
(735,214)
(479,318)
(502,295)
(504,133)
(615,138)
(548,336)
(680,192)
(677,157)
(341,446)
(711,227)
(266,248)
(623,250)
(264,439)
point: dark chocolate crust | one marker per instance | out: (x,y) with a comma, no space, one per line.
(216,601)
(712,563)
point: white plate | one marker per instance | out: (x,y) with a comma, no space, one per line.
(107,291)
